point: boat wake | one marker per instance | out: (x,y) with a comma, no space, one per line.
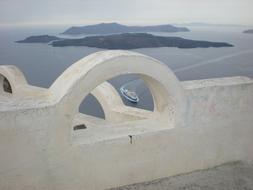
(216,60)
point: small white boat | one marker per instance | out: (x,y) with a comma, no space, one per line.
(129,95)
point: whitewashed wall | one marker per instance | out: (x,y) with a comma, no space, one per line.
(195,125)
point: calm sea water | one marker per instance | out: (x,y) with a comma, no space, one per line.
(42,64)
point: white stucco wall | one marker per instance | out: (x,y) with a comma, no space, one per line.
(195,125)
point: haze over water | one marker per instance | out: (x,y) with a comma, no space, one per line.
(42,63)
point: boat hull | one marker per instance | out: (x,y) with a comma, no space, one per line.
(129,98)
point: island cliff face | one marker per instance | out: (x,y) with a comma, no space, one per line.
(110,28)
(136,40)
(39,39)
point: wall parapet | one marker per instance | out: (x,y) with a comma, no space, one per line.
(194,125)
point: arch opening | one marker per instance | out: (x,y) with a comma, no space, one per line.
(5,85)
(91,106)
(110,102)
(93,71)
(107,102)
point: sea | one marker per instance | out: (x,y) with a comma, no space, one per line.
(42,63)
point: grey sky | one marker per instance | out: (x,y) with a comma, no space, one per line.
(41,12)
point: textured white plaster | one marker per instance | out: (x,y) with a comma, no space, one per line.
(195,125)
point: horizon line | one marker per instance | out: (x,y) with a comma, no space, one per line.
(79,23)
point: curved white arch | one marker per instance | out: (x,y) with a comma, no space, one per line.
(85,75)
(108,97)
(14,76)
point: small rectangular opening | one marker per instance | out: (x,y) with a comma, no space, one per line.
(78,127)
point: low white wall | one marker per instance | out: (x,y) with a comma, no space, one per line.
(219,101)
(40,150)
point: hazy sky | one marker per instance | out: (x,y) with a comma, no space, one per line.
(41,12)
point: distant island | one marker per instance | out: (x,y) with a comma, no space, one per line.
(248,31)
(39,39)
(112,28)
(125,41)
